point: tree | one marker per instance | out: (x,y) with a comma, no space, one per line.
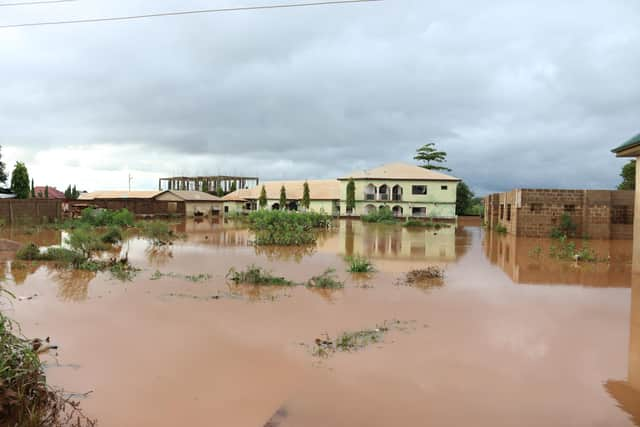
(233,187)
(283,198)
(219,191)
(33,190)
(263,198)
(306,196)
(464,198)
(628,175)
(428,154)
(67,193)
(205,186)
(46,192)
(75,193)
(3,172)
(20,181)
(351,195)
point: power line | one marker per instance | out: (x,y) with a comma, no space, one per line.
(186,12)
(30,3)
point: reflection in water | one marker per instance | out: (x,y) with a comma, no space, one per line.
(20,270)
(158,255)
(516,256)
(627,393)
(395,242)
(285,253)
(259,293)
(73,285)
(39,236)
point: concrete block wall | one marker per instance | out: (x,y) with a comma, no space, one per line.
(598,214)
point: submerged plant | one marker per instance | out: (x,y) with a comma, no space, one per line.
(381,216)
(254,275)
(359,264)
(326,280)
(287,228)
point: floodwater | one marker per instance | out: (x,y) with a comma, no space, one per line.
(508,339)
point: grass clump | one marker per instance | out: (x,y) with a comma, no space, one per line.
(566,250)
(381,216)
(284,228)
(254,275)
(350,341)
(25,397)
(202,277)
(105,217)
(326,280)
(359,264)
(423,278)
(29,252)
(501,229)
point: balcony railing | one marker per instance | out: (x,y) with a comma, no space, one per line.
(369,196)
(383,196)
(397,197)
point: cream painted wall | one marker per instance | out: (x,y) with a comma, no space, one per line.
(204,207)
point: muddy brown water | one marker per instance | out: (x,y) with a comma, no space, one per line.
(509,339)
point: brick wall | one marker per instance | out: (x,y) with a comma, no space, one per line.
(599,214)
(140,206)
(14,211)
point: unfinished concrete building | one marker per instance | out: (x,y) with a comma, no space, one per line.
(207,184)
(598,214)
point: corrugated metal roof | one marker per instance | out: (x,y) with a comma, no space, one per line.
(400,171)
(194,196)
(119,195)
(629,144)
(327,189)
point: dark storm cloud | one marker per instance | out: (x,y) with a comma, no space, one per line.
(520,94)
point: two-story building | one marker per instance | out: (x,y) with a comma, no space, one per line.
(407,190)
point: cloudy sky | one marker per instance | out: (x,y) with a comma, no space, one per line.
(520,94)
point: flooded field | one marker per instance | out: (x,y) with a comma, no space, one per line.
(509,337)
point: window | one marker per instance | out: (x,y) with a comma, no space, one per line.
(536,207)
(509,212)
(444,187)
(420,190)
(621,215)
(569,208)
(422,212)
(501,211)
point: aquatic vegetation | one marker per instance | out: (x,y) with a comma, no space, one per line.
(159,233)
(359,264)
(86,241)
(326,280)
(350,341)
(566,250)
(411,223)
(28,252)
(112,236)
(105,217)
(254,275)
(202,277)
(535,252)
(25,397)
(381,216)
(500,229)
(423,278)
(566,228)
(157,275)
(286,228)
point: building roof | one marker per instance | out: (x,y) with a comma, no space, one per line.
(630,144)
(319,189)
(400,171)
(54,193)
(194,196)
(119,195)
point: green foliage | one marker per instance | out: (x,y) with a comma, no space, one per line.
(71,193)
(20,181)
(287,228)
(254,275)
(566,250)
(501,229)
(233,187)
(104,218)
(29,252)
(205,186)
(159,233)
(283,198)
(263,198)
(33,190)
(3,169)
(351,195)
(628,175)
(359,264)
(46,192)
(415,223)
(535,252)
(381,216)
(86,241)
(464,198)
(431,157)
(220,192)
(476,208)
(566,228)
(306,196)
(327,280)
(112,236)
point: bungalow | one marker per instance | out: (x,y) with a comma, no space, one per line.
(407,190)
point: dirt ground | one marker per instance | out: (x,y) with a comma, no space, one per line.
(508,339)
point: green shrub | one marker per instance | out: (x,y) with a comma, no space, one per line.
(287,228)
(567,250)
(159,233)
(359,264)
(327,280)
(254,275)
(381,216)
(566,228)
(425,224)
(28,252)
(112,236)
(86,241)
(63,255)
(104,217)
(501,229)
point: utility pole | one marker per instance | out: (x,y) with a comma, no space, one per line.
(130,179)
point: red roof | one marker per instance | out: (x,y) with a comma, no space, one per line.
(54,193)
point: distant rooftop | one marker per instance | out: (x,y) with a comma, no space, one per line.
(119,195)
(623,150)
(319,189)
(400,171)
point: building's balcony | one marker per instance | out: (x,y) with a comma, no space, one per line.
(383,197)
(369,196)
